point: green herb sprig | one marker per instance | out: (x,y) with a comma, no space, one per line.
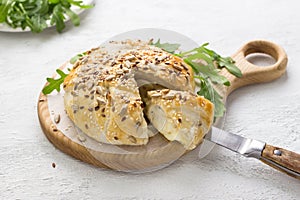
(168,47)
(54,84)
(38,14)
(75,58)
(206,65)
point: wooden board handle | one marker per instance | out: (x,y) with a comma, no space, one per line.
(253,73)
(282,160)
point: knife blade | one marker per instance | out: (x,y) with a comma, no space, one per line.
(278,158)
(245,146)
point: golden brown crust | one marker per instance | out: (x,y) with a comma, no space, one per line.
(102,93)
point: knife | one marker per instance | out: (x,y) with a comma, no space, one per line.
(281,159)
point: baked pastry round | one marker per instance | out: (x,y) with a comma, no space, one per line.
(102,94)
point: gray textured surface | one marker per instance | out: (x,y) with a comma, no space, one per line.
(269,112)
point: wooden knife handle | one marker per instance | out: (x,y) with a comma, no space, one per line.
(282,160)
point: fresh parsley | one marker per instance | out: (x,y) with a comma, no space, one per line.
(39,14)
(206,65)
(54,84)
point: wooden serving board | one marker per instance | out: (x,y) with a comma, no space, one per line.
(158,152)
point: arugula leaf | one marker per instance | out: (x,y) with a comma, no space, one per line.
(58,18)
(73,16)
(75,58)
(79,4)
(4,8)
(206,64)
(171,48)
(37,14)
(54,84)
(226,62)
(209,92)
(207,69)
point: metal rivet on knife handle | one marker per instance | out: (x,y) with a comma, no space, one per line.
(277,152)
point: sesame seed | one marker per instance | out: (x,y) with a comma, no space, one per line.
(123,110)
(90,85)
(110,77)
(182,65)
(125,69)
(132,139)
(169,96)
(100,100)
(127,64)
(199,123)
(99,90)
(165,91)
(178,67)
(156,95)
(138,124)
(81,86)
(97,108)
(119,71)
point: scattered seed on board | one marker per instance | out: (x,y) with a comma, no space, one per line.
(57,118)
(81,138)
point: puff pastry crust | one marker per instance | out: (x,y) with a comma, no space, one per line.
(102,90)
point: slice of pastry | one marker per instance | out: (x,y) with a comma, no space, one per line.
(180,115)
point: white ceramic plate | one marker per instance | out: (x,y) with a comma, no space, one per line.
(6,28)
